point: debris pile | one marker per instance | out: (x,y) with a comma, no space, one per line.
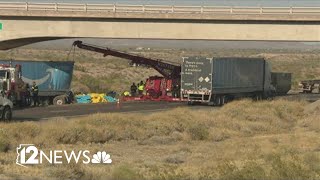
(94,98)
(312,108)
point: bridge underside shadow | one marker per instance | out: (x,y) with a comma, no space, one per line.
(14,43)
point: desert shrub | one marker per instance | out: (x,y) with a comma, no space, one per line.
(80,68)
(93,83)
(218,135)
(248,117)
(156,140)
(291,167)
(250,170)
(313,162)
(67,134)
(239,118)
(125,172)
(69,171)
(199,132)
(280,166)
(177,158)
(4,142)
(312,123)
(24,130)
(168,172)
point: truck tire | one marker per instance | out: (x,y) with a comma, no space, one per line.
(257,97)
(6,114)
(59,100)
(222,100)
(191,103)
(217,101)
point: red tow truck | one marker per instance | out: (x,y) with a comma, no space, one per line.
(165,88)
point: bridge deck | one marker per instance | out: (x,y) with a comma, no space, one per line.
(159,11)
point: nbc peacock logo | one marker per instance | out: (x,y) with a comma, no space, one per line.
(101,157)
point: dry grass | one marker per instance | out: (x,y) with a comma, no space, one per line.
(242,140)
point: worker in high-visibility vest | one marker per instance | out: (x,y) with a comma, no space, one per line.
(35,92)
(126,93)
(141,88)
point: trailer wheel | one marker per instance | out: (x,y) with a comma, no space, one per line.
(190,103)
(6,114)
(217,101)
(59,100)
(257,97)
(222,100)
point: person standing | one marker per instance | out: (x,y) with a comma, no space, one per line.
(35,92)
(176,91)
(141,88)
(133,89)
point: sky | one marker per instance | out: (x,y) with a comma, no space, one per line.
(283,3)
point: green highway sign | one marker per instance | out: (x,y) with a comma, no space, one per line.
(0,26)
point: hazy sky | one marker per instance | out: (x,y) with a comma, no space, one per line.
(193,2)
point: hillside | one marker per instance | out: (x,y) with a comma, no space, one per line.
(94,73)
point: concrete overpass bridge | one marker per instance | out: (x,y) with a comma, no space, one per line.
(26,23)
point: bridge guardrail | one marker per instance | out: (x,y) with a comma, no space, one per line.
(122,8)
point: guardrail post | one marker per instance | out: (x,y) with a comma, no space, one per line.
(114,8)
(291,10)
(27,6)
(261,10)
(172,9)
(143,8)
(201,9)
(56,6)
(231,9)
(85,7)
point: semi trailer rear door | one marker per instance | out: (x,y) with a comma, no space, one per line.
(196,75)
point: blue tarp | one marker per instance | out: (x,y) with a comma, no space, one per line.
(83,99)
(110,99)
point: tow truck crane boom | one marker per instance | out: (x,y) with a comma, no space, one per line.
(166,69)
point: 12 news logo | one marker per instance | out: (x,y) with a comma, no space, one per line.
(28,154)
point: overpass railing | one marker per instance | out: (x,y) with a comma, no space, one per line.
(74,7)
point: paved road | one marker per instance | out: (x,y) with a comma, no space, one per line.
(40,113)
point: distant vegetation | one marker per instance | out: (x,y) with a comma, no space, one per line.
(95,73)
(243,140)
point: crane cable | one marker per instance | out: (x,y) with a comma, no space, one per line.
(71,49)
